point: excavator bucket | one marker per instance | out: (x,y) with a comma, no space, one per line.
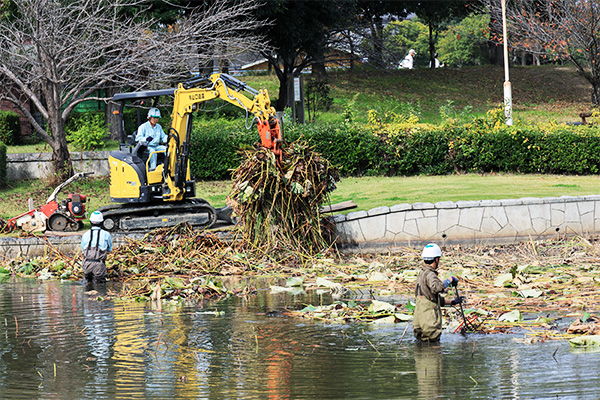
(271,136)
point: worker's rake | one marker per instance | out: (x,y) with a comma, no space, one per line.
(470,324)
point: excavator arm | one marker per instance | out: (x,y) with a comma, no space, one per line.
(187,97)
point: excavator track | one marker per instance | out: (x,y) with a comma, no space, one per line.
(134,217)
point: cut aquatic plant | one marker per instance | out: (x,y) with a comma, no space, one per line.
(278,201)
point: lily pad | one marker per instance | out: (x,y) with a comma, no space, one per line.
(403,317)
(377,306)
(385,320)
(174,282)
(334,286)
(280,289)
(378,276)
(585,341)
(512,316)
(44,274)
(294,281)
(503,280)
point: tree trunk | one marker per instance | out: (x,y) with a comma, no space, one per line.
(282,101)
(431,47)
(377,39)
(63,165)
(61,158)
(596,94)
(352,53)
(318,66)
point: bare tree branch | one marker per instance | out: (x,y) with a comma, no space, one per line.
(58,53)
(557,30)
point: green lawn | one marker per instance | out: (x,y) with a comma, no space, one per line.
(366,192)
(371,192)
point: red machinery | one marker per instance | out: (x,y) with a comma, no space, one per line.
(66,216)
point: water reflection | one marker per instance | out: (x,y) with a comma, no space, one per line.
(428,367)
(59,342)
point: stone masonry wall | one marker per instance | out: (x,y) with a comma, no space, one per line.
(484,222)
(38,246)
(39,165)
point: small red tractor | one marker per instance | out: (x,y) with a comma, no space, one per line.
(64,216)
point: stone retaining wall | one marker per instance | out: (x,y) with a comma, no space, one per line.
(39,165)
(38,246)
(484,222)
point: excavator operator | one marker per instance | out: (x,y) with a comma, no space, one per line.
(151,134)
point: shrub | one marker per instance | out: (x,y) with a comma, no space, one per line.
(317,96)
(10,127)
(87,132)
(353,149)
(214,145)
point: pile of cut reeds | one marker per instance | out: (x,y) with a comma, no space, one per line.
(278,200)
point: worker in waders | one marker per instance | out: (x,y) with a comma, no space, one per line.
(95,246)
(427,321)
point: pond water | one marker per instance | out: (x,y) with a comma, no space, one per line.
(57,342)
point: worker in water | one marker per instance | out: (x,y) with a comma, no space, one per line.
(95,246)
(152,134)
(427,321)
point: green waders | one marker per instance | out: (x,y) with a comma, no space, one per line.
(427,321)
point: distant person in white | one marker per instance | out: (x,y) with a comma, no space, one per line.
(436,62)
(408,61)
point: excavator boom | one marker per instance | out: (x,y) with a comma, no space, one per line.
(187,97)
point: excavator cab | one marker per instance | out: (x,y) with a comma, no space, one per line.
(131,179)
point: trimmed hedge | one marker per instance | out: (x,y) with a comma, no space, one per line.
(214,146)
(413,149)
(355,151)
(2,164)
(10,127)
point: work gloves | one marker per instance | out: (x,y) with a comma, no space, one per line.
(149,139)
(458,300)
(452,281)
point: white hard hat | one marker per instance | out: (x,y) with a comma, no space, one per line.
(431,251)
(96,217)
(154,112)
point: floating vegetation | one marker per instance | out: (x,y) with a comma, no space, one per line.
(278,201)
(545,290)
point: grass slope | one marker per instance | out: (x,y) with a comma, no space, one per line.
(541,93)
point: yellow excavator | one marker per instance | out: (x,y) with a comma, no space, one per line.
(165,196)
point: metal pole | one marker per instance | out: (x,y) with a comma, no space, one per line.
(507,87)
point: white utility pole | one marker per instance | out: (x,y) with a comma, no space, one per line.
(507,88)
